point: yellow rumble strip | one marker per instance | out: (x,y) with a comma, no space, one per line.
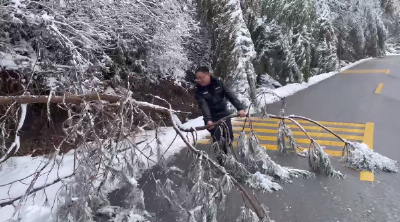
(266,131)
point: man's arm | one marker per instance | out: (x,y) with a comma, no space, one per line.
(230,95)
(203,107)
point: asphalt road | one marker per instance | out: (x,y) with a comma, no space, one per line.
(350,98)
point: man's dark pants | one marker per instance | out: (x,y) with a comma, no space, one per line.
(216,134)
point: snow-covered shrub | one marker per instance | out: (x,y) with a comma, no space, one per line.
(78,41)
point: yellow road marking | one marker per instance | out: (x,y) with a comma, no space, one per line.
(387,72)
(300,133)
(203,141)
(369,135)
(362,71)
(314,128)
(361,125)
(369,140)
(275,147)
(379,88)
(302,141)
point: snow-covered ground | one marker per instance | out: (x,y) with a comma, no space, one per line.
(39,208)
(392,54)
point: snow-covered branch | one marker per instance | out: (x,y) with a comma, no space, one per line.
(16,144)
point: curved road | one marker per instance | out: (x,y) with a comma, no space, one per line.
(362,104)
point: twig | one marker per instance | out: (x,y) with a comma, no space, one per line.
(9,202)
(320,125)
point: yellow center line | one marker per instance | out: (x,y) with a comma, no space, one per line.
(299,133)
(387,72)
(379,88)
(369,140)
(314,128)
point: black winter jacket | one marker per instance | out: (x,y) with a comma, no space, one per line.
(212,99)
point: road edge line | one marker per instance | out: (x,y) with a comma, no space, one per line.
(368,140)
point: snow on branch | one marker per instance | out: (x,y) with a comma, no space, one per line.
(13,149)
(361,157)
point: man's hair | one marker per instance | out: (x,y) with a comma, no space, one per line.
(202,69)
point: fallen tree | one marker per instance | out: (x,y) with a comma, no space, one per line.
(101,157)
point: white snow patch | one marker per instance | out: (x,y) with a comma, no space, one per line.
(47,18)
(109,91)
(7,60)
(263,182)
(52,82)
(17,168)
(290,89)
(175,169)
(14,61)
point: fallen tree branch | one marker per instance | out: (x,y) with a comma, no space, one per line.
(258,210)
(78,99)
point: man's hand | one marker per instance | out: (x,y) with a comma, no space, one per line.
(210,123)
(242,113)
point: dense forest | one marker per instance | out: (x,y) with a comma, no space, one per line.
(102,44)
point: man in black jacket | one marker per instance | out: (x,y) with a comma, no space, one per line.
(211,94)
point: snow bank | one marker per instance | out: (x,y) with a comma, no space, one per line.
(292,88)
(392,54)
(37,209)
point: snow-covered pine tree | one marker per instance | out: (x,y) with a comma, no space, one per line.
(382,34)
(325,52)
(302,43)
(233,47)
(371,34)
(295,19)
(274,55)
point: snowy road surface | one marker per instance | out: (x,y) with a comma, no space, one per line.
(368,97)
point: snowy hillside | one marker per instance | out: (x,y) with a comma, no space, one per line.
(99,76)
